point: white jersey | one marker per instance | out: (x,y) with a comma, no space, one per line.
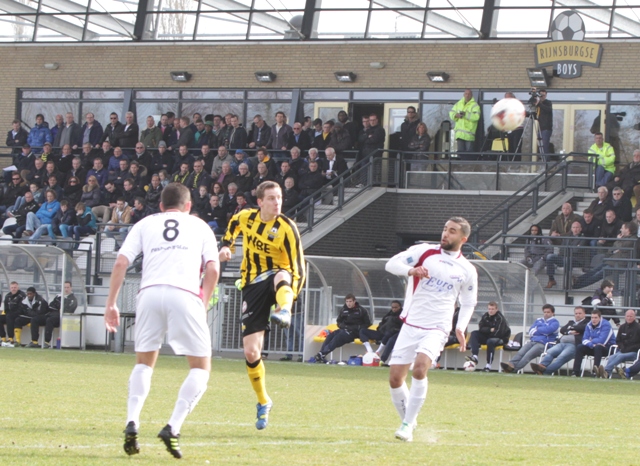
(175,245)
(430,302)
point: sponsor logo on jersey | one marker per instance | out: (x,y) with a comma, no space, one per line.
(259,244)
(437,284)
(273,233)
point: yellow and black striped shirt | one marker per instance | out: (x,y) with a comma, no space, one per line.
(268,247)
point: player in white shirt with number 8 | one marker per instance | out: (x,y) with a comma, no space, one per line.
(176,246)
(438,275)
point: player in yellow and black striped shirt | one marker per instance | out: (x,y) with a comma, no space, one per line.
(272,273)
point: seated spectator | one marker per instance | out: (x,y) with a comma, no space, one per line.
(131,191)
(311,181)
(114,166)
(628,341)
(13,191)
(199,178)
(601,204)
(160,159)
(64,219)
(591,227)
(28,206)
(572,253)
(52,184)
(218,190)
(37,224)
(31,306)
(184,156)
(51,170)
(239,158)
(493,330)
(386,334)
(140,210)
(164,178)
(72,191)
(91,194)
(623,248)
(241,203)
(264,157)
(12,307)
(76,170)
(298,164)
(228,201)
(139,181)
(351,319)
(536,250)
(225,156)
(290,197)
(37,192)
(285,172)
(99,172)
(50,318)
(121,215)
(215,216)
(334,165)
(609,230)
(108,198)
(603,300)
(244,180)
(182,175)
(47,154)
(25,160)
(544,330)
(87,223)
(565,348)
(621,205)
(561,225)
(120,174)
(154,192)
(38,174)
(200,202)
(597,338)
(628,178)
(260,177)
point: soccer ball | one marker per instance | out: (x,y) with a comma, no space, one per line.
(507,114)
(469,366)
(568,25)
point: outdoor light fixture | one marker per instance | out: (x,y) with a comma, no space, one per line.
(265,76)
(51,66)
(181,76)
(538,77)
(345,76)
(438,76)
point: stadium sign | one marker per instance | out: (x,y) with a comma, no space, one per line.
(567,51)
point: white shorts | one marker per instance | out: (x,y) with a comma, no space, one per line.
(164,309)
(414,340)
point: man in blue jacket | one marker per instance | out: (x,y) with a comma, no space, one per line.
(597,338)
(544,330)
(38,222)
(39,134)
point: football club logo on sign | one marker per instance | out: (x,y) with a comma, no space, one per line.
(568,51)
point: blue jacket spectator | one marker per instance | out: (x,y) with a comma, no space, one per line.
(600,334)
(47,211)
(596,341)
(544,330)
(39,134)
(87,219)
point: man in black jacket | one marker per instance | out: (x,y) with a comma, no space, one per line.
(260,134)
(16,137)
(565,348)
(12,305)
(50,318)
(351,319)
(628,341)
(31,306)
(493,330)
(127,137)
(20,215)
(386,334)
(111,131)
(374,139)
(298,138)
(408,127)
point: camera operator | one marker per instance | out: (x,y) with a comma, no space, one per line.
(544,115)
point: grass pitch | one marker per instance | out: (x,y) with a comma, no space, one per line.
(69,407)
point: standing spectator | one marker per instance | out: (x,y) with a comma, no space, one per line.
(597,338)
(374,138)
(544,330)
(565,348)
(298,138)
(493,330)
(17,137)
(165,128)
(628,341)
(128,135)
(279,133)
(39,134)
(340,139)
(409,128)
(209,139)
(349,126)
(351,319)
(24,161)
(536,250)
(55,130)
(92,131)
(183,135)
(71,133)
(112,130)
(466,114)
(386,334)
(362,138)
(260,135)
(151,135)
(238,136)
(602,154)
(322,140)
(420,142)
(544,114)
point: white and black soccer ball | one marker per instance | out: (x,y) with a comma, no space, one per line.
(568,25)
(469,366)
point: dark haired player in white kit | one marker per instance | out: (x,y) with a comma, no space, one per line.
(176,246)
(438,275)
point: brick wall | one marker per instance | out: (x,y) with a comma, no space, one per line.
(395,214)
(298,65)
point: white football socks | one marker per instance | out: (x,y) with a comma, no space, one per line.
(190,393)
(380,349)
(368,346)
(417,395)
(139,386)
(399,397)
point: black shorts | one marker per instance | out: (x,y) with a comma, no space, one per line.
(257,300)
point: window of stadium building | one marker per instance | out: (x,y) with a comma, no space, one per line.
(260,20)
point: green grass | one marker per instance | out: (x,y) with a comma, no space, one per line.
(67,407)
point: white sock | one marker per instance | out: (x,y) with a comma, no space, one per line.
(139,386)
(190,393)
(399,397)
(417,395)
(380,348)
(368,346)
